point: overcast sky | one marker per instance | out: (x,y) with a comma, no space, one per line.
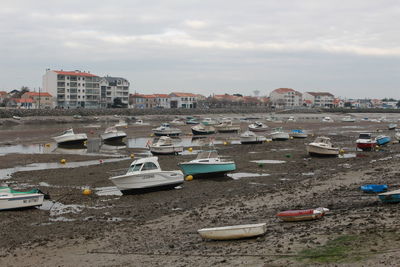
(349,48)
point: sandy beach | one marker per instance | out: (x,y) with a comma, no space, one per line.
(160,228)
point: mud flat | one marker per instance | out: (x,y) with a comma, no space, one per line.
(159,228)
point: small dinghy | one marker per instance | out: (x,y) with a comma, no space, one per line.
(302,215)
(233,232)
(11,199)
(390,197)
(374,188)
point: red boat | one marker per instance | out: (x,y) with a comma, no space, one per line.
(365,142)
(302,215)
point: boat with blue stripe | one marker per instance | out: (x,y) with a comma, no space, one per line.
(390,197)
(382,140)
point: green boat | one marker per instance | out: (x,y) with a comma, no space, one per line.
(207,163)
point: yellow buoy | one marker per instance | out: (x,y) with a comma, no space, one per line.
(225,143)
(341,151)
(85,142)
(132,156)
(291,137)
(47,145)
(189,178)
(151,135)
(63,161)
(190,149)
(87,192)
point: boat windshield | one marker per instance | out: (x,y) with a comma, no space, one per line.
(69,131)
(365,136)
(207,154)
(135,168)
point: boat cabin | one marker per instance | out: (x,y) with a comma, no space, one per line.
(145,164)
(365,136)
(207,154)
(323,140)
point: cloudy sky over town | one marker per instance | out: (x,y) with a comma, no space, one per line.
(349,48)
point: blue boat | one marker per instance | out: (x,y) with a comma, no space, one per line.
(207,163)
(298,133)
(374,188)
(382,140)
(390,197)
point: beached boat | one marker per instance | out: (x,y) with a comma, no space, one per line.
(278,134)
(397,135)
(322,146)
(192,121)
(166,130)
(302,215)
(382,140)
(165,146)
(298,133)
(177,121)
(144,175)
(365,141)
(121,123)
(16,118)
(207,163)
(233,232)
(348,119)
(291,119)
(12,199)
(140,122)
(201,129)
(249,137)
(390,197)
(227,127)
(374,188)
(112,134)
(209,121)
(258,127)
(68,137)
(327,119)
(392,126)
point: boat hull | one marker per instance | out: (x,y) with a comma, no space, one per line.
(233,232)
(166,150)
(196,132)
(394,198)
(216,169)
(366,146)
(252,140)
(280,136)
(71,140)
(147,182)
(322,151)
(299,215)
(157,133)
(16,201)
(383,141)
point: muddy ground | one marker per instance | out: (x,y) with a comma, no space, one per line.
(159,228)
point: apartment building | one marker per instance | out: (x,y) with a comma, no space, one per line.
(162,100)
(320,99)
(73,89)
(285,97)
(112,88)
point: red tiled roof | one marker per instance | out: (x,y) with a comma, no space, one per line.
(3,93)
(320,94)
(37,94)
(24,100)
(75,73)
(161,95)
(178,94)
(283,90)
(308,101)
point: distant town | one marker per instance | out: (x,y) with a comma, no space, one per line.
(79,89)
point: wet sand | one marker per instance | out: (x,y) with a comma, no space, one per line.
(159,228)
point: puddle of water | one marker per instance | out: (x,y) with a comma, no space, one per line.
(307,174)
(240,175)
(347,155)
(6,173)
(268,161)
(108,191)
(62,219)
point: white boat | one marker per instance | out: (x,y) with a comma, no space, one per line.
(11,199)
(112,134)
(397,135)
(298,133)
(68,137)
(322,146)
(140,122)
(177,122)
(348,119)
(291,119)
(165,146)
(121,123)
(392,126)
(144,175)
(249,137)
(327,119)
(209,121)
(278,134)
(258,127)
(201,129)
(166,130)
(16,118)
(227,127)
(233,232)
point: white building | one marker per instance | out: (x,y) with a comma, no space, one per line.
(183,100)
(319,99)
(73,89)
(162,100)
(112,88)
(285,97)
